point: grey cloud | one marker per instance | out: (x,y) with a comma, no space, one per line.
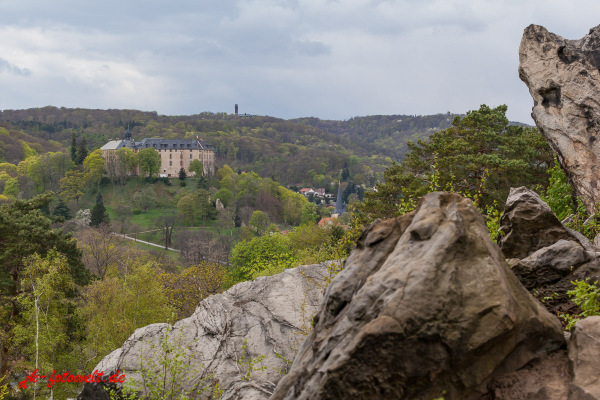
(311,48)
(6,67)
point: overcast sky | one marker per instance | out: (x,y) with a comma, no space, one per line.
(286,58)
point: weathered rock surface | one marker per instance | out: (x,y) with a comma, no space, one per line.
(542,252)
(426,305)
(563,77)
(528,225)
(267,316)
(546,378)
(584,358)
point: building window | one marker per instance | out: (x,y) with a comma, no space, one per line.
(170,163)
(190,156)
(170,155)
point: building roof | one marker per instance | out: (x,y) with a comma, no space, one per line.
(113,145)
(179,144)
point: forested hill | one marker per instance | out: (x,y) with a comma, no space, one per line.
(306,151)
(386,134)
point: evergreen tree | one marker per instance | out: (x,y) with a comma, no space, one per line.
(202,182)
(82,152)
(345,172)
(481,155)
(99,215)
(182,174)
(62,210)
(24,230)
(351,188)
(74,147)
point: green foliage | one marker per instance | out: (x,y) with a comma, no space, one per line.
(259,221)
(99,215)
(587,296)
(224,172)
(9,168)
(559,195)
(480,156)
(62,210)
(11,188)
(148,160)
(309,213)
(265,254)
(186,289)
(197,168)
(249,363)
(144,198)
(225,195)
(93,166)
(183,174)
(48,330)
(115,307)
(27,151)
(25,231)
(82,152)
(73,147)
(3,387)
(196,207)
(492,220)
(589,227)
(72,185)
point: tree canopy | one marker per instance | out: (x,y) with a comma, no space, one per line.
(481,155)
(148,160)
(24,231)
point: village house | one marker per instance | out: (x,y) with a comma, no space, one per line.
(174,153)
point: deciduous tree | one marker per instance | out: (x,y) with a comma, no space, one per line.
(197,168)
(148,160)
(24,230)
(93,165)
(72,185)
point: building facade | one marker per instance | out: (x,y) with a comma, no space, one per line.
(174,153)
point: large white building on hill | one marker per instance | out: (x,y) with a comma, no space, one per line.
(174,153)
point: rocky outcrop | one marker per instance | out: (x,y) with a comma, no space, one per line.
(584,357)
(545,255)
(563,77)
(528,225)
(426,306)
(226,338)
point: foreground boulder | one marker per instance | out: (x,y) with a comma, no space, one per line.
(239,341)
(425,307)
(563,77)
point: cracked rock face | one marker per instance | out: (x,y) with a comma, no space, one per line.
(267,316)
(563,77)
(425,307)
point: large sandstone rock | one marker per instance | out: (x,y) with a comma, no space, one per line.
(267,317)
(528,225)
(545,255)
(563,77)
(584,357)
(426,306)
